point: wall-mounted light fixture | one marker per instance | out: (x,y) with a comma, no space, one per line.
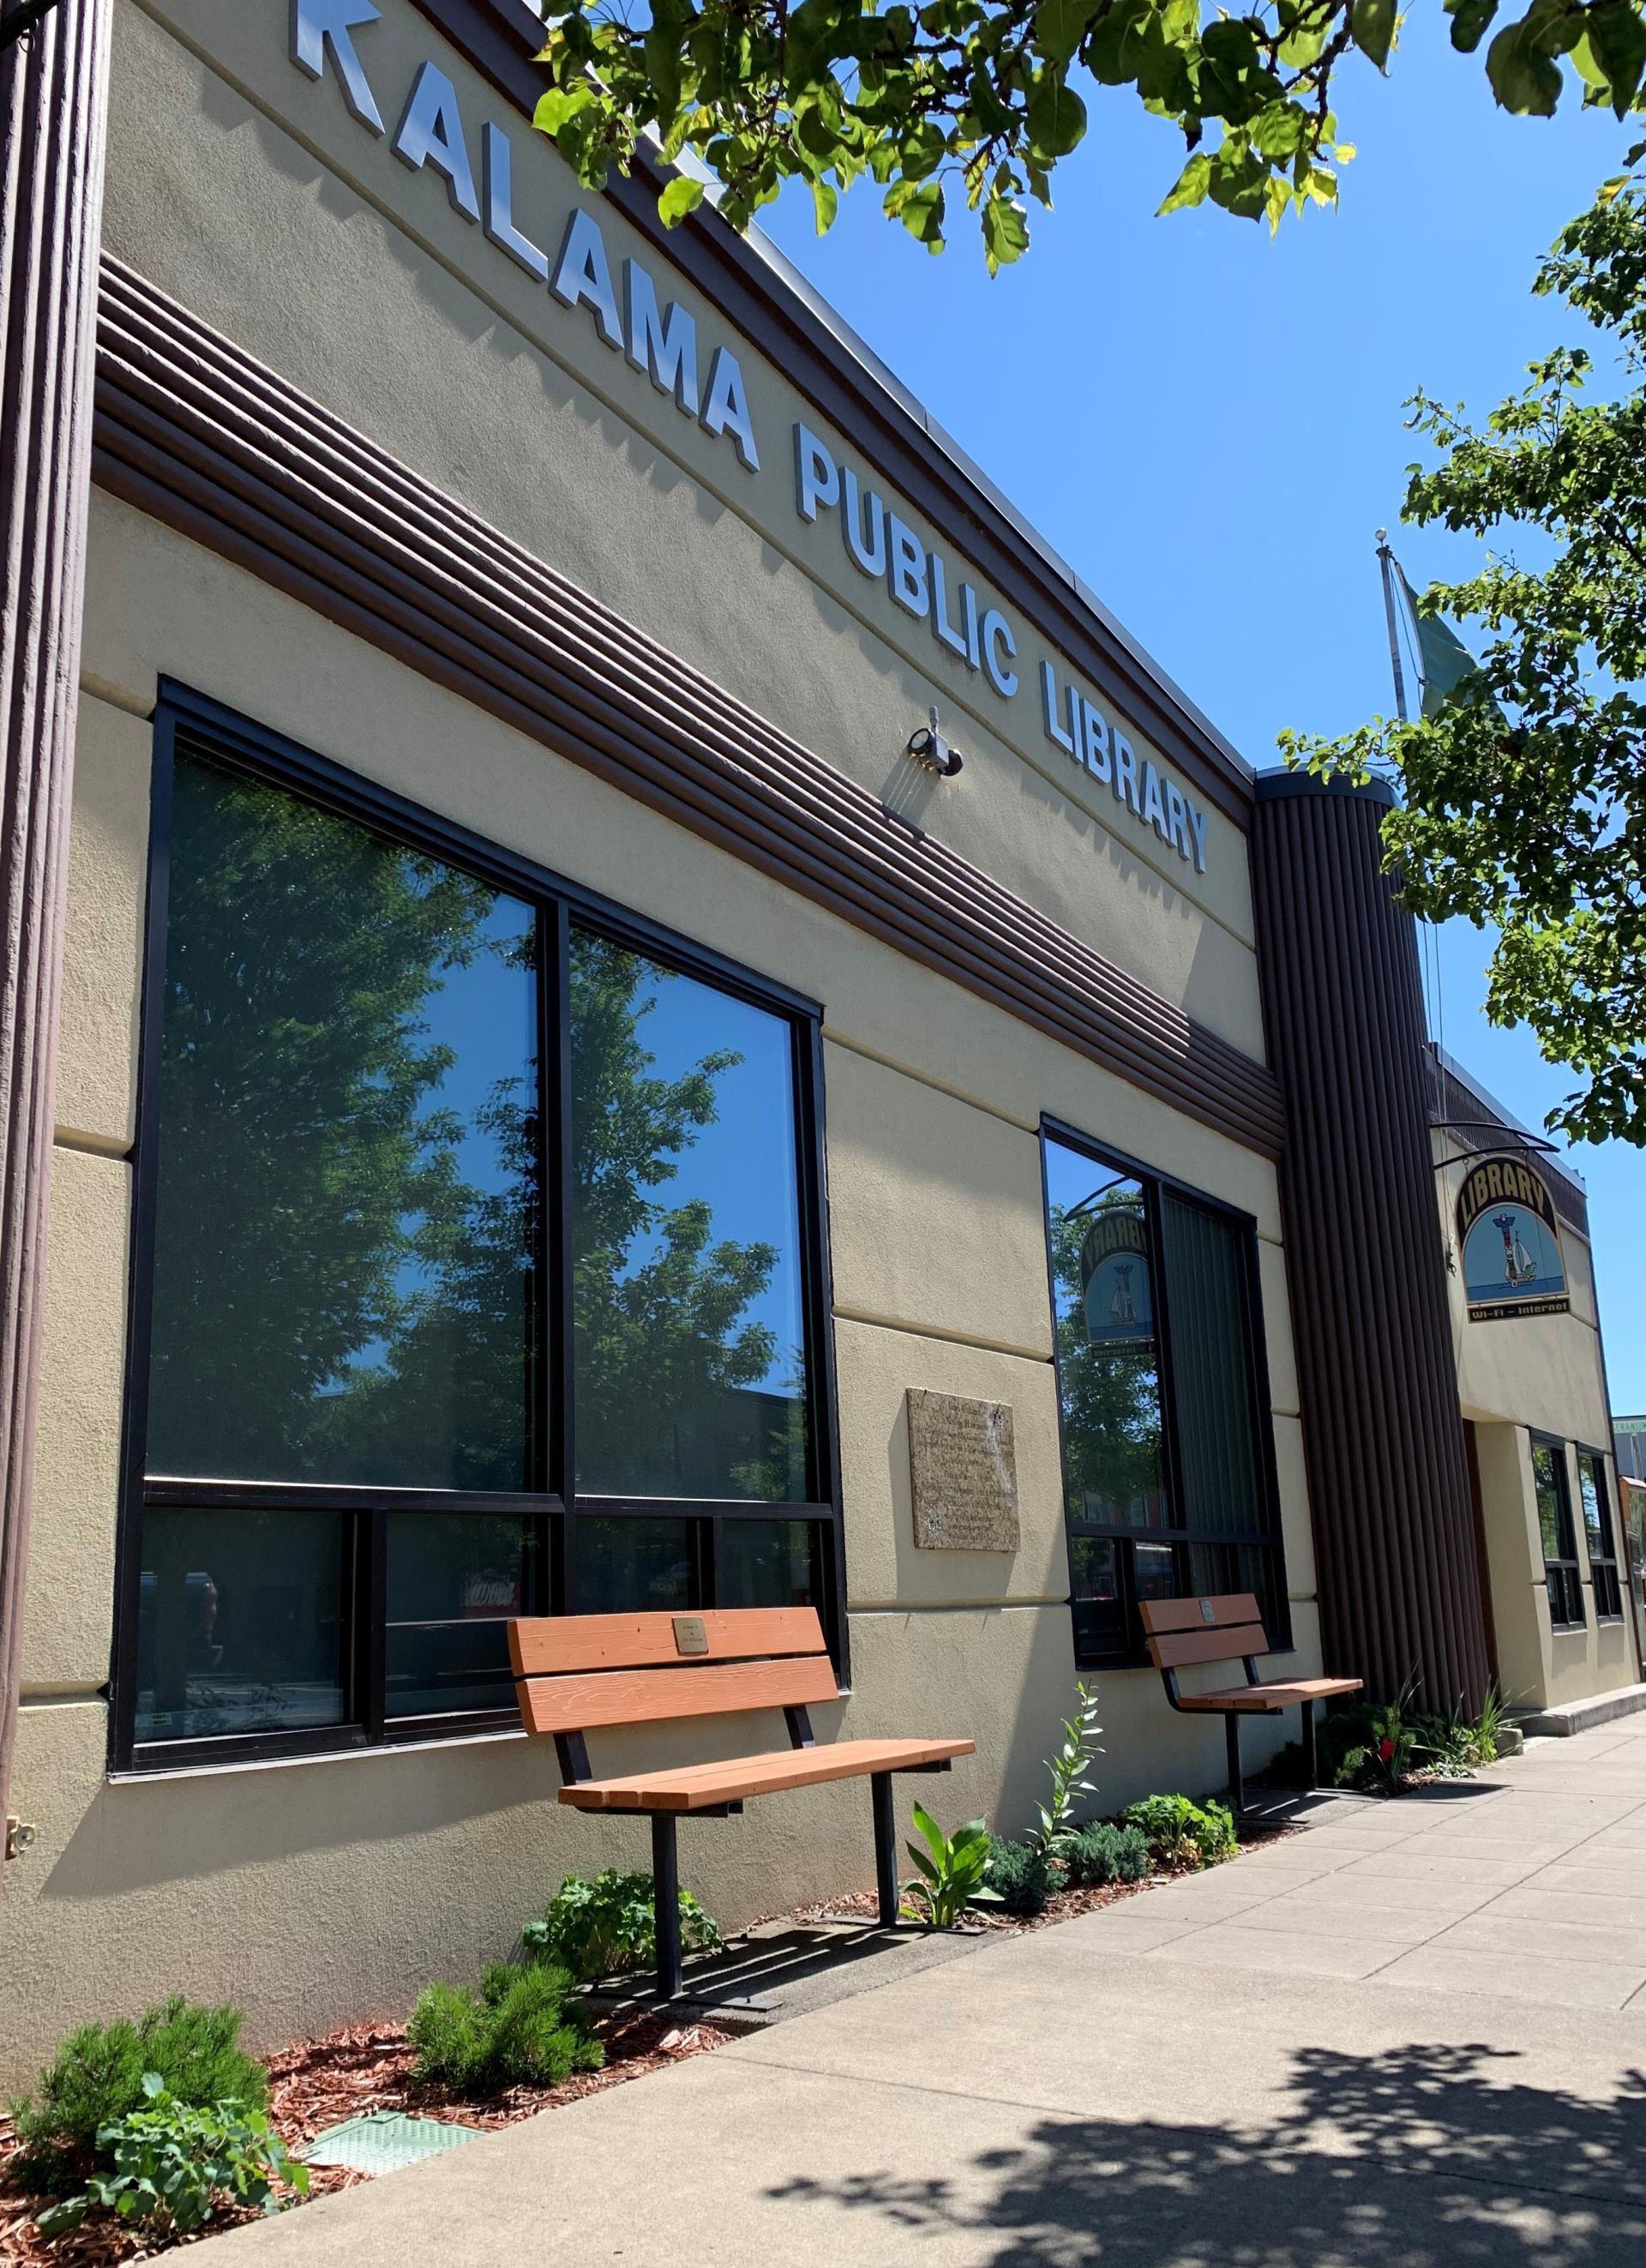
(927,746)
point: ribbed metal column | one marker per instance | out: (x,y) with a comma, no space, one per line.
(53,99)
(1400,1582)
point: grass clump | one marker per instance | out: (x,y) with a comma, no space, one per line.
(521,2028)
(96,2081)
(1103,1853)
(1021,1876)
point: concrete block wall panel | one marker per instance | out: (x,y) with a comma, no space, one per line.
(107,876)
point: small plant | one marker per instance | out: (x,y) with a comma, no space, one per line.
(1067,1768)
(96,2079)
(171,2162)
(952,1871)
(598,1928)
(517,2030)
(1180,1833)
(1102,1854)
(1021,1875)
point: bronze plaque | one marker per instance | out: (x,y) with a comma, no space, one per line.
(963,1473)
(690,1636)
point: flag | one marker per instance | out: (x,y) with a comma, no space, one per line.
(1442,660)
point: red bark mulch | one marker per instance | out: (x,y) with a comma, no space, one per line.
(319,2083)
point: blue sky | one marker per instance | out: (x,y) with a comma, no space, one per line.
(1208,424)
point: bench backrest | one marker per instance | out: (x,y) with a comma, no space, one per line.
(1181,1631)
(574,1671)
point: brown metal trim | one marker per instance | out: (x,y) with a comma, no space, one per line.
(496,36)
(193,430)
(1400,1586)
(53,95)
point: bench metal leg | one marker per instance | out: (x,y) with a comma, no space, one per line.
(884,1848)
(1237,1788)
(1311,1769)
(665,1885)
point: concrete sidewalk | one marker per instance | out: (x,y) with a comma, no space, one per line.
(1411,2037)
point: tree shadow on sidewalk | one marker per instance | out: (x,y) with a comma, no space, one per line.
(1424,2157)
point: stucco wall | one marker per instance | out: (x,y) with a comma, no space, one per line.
(248,192)
(325,1890)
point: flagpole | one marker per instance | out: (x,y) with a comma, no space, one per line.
(1385,560)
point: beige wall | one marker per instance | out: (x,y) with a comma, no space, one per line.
(1517,1376)
(329,1890)
(249,193)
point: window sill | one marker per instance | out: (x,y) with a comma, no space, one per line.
(140,1775)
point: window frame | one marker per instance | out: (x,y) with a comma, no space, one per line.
(1606,1581)
(185,721)
(1568,1571)
(1156,1185)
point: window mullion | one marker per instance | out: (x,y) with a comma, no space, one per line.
(558,1332)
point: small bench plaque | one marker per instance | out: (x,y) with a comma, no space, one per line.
(963,1473)
(690,1636)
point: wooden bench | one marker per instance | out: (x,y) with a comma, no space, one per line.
(575,1672)
(1181,1631)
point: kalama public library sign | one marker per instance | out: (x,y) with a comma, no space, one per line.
(660,342)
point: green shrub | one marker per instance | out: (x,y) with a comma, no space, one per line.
(1021,1874)
(1180,1833)
(1102,1853)
(599,1928)
(517,2030)
(96,2079)
(171,2164)
(1370,1745)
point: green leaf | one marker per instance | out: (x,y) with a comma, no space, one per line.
(824,203)
(1060,25)
(1617,36)
(558,106)
(1191,187)
(1372,24)
(1526,78)
(1005,233)
(1470,21)
(681,196)
(1056,115)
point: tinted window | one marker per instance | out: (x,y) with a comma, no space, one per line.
(690,1346)
(347,1127)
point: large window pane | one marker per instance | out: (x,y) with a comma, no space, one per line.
(1099,1601)
(1212,1336)
(1108,1358)
(454,1578)
(240,1623)
(347,1127)
(642,1566)
(767,1563)
(689,1350)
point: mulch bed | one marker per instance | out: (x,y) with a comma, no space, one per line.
(1062,1906)
(319,2083)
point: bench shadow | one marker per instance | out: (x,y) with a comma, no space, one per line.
(1426,2156)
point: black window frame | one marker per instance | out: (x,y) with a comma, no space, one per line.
(186,721)
(1156,1185)
(1562,1576)
(1605,1576)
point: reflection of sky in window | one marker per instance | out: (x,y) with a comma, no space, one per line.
(484,1012)
(742,1165)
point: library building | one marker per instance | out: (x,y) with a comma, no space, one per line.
(641,1002)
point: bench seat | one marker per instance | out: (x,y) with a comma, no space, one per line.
(694,1787)
(1271,1697)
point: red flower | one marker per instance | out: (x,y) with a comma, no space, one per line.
(1386,1749)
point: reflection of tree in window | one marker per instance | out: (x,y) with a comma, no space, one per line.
(1108,1363)
(689,1365)
(344,1211)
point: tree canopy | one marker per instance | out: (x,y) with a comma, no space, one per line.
(1524,792)
(980,100)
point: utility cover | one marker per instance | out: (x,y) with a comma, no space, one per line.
(384,2140)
